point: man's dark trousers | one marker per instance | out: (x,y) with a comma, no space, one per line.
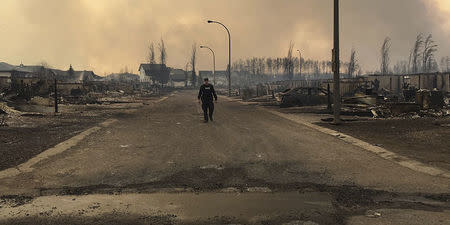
(208,106)
(207,94)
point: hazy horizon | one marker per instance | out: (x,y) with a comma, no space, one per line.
(107,36)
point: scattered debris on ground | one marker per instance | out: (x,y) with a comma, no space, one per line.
(29,127)
(363,101)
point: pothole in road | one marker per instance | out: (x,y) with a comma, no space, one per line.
(206,208)
(249,208)
(215,180)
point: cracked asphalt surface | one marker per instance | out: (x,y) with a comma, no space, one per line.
(165,148)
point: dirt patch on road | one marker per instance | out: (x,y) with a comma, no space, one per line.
(342,202)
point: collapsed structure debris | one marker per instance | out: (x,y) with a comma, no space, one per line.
(430,99)
(36,91)
(2,118)
(7,112)
(426,103)
(420,95)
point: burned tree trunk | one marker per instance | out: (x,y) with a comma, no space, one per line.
(385,59)
(193,61)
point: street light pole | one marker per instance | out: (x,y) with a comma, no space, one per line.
(300,62)
(336,66)
(214,62)
(229,55)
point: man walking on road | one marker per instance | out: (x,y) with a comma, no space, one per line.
(207,94)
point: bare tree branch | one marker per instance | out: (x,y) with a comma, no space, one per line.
(415,54)
(428,62)
(353,64)
(289,63)
(163,52)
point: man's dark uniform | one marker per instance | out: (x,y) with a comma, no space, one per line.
(207,94)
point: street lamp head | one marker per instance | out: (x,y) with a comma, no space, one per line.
(210,21)
(201,46)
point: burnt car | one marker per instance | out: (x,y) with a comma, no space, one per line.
(303,96)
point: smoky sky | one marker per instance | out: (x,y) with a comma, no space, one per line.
(109,35)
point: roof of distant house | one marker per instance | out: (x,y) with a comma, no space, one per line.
(5,67)
(177,75)
(77,76)
(34,69)
(149,68)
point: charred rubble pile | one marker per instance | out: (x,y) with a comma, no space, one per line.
(38,99)
(409,104)
(285,97)
(362,101)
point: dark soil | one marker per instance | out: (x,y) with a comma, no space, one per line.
(18,144)
(423,139)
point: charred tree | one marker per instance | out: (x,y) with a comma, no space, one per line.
(353,64)
(385,58)
(428,62)
(289,63)
(164,72)
(414,58)
(151,54)
(193,62)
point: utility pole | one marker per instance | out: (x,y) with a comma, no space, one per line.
(56,96)
(56,89)
(328,97)
(336,66)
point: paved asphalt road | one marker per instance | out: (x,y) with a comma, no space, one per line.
(248,166)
